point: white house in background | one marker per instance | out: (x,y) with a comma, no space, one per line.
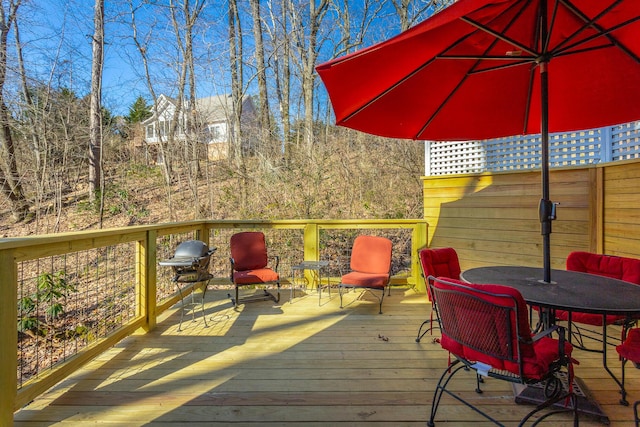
(213,122)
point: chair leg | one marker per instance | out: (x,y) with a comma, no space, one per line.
(420,335)
(266,295)
(181,306)
(429,329)
(441,389)
(204,293)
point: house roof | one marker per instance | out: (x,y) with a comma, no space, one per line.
(211,109)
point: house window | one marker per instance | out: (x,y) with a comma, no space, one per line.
(150,131)
(164,128)
(215,133)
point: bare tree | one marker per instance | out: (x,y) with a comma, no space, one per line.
(306,43)
(353,27)
(264,114)
(10,182)
(281,57)
(412,11)
(142,45)
(95,115)
(235,57)
(190,15)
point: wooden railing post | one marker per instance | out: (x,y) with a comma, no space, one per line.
(8,335)
(146,279)
(311,242)
(311,247)
(418,241)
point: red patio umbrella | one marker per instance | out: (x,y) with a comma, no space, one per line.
(490,68)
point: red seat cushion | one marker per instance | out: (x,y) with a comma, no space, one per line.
(366,280)
(630,348)
(259,275)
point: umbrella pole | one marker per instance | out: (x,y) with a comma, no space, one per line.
(546,207)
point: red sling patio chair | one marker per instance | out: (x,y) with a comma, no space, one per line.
(370,265)
(629,350)
(249,266)
(622,268)
(486,328)
(616,267)
(440,262)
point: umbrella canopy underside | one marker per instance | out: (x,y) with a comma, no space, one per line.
(472,71)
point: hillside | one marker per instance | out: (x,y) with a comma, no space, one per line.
(365,177)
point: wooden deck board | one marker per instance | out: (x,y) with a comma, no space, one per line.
(292,364)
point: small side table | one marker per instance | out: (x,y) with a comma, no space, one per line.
(315,266)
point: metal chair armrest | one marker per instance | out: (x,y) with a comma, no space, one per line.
(233,263)
(546,332)
(276,259)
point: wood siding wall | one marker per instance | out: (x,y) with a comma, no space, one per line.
(492,218)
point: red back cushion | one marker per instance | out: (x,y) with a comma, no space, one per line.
(616,267)
(371,254)
(441,262)
(248,250)
(480,328)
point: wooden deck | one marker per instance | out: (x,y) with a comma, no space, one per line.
(288,364)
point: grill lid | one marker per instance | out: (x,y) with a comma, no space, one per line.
(191,248)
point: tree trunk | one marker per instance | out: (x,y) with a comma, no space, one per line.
(95,118)
(142,49)
(263,105)
(11,186)
(316,14)
(235,56)
(282,68)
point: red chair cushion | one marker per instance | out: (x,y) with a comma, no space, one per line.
(371,254)
(536,357)
(259,275)
(440,262)
(367,280)
(622,268)
(248,250)
(630,348)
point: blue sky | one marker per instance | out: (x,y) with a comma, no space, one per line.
(57,48)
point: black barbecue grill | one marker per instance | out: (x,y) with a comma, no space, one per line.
(190,263)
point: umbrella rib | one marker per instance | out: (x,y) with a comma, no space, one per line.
(601,32)
(441,106)
(389,89)
(479,59)
(499,36)
(588,22)
(421,67)
(612,41)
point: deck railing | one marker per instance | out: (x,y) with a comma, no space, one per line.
(66,298)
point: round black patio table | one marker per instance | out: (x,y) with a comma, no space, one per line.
(571,291)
